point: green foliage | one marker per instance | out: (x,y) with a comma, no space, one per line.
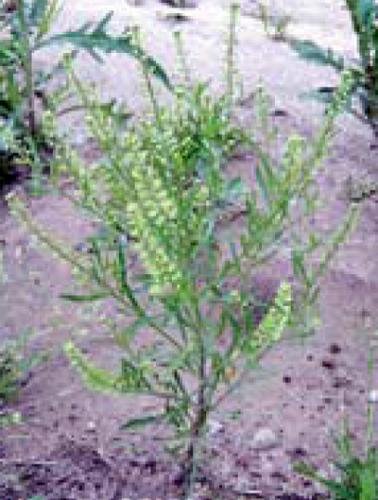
(356,476)
(312,52)
(271,216)
(8,373)
(24,134)
(160,194)
(96,40)
(14,364)
(364,16)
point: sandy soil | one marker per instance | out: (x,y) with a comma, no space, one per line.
(69,446)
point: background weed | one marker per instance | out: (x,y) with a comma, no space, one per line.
(364,15)
(29,95)
(158,193)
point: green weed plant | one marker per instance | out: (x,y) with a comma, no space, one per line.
(15,366)
(355,475)
(159,194)
(364,18)
(28,94)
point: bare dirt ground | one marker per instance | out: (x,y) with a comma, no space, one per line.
(70,446)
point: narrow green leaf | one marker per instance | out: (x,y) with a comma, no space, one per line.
(95,377)
(96,39)
(135,423)
(312,52)
(84,298)
(38,8)
(47,18)
(365,12)
(263,188)
(122,266)
(102,25)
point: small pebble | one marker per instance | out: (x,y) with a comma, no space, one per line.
(264,439)
(214,427)
(91,426)
(373,396)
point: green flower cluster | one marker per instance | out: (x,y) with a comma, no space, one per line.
(164,220)
(274,322)
(157,182)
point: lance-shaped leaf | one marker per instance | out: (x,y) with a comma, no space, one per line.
(95,377)
(135,423)
(90,297)
(98,39)
(131,379)
(312,52)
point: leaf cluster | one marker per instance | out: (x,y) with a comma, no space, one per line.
(160,195)
(356,476)
(15,363)
(28,93)
(159,192)
(364,17)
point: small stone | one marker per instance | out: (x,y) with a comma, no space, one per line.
(373,396)
(18,252)
(91,426)
(264,439)
(214,427)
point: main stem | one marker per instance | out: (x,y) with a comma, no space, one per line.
(30,91)
(200,415)
(28,68)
